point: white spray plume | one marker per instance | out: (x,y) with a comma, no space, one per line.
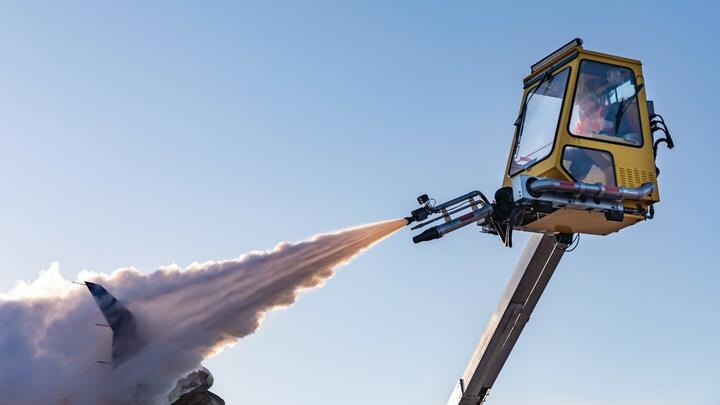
(49,341)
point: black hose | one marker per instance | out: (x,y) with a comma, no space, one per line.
(516,212)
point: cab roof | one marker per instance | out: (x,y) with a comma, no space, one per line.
(566,53)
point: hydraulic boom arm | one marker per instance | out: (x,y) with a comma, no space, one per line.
(531,276)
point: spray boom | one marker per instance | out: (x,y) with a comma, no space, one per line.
(479,209)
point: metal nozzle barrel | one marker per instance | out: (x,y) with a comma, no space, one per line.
(457,223)
(426,235)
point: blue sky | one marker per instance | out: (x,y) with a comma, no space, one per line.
(141,134)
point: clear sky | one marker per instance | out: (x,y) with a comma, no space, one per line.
(145,133)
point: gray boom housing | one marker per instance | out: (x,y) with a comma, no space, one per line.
(531,276)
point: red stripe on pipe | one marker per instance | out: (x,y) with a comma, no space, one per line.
(466,217)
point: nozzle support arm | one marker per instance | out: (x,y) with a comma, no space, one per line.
(426,210)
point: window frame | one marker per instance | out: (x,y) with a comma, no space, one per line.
(564,169)
(572,103)
(519,129)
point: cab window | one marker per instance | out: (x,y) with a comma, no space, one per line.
(605,105)
(589,165)
(536,134)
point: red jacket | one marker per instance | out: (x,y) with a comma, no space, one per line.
(591,123)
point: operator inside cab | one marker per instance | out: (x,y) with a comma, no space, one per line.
(604,108)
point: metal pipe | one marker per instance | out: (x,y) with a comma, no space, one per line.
(454,201)
(453,211)
(439,230)
(539,186)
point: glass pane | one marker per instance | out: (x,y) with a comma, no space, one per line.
(539,124)
(605,105)
(589,166)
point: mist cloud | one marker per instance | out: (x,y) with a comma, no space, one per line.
(49,343)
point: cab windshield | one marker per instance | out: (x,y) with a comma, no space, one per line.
(540,121)
(605,106)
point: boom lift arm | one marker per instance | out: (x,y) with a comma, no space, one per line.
(532,274)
